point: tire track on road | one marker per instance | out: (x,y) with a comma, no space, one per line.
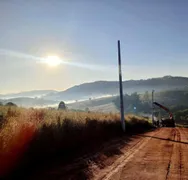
(184,152)
(173,134)
(180,151)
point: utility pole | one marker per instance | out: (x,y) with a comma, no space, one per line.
(152,106)
(121,88)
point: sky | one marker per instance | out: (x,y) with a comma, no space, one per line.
(84,34)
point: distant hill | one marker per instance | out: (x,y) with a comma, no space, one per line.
(29,102)
(102,88)
(31,94)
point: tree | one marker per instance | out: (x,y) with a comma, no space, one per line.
(62,106)
(132,104)
(146,97)
(87,109)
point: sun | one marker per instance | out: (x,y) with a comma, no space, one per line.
(53,61)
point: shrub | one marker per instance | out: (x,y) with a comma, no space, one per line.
(14,140)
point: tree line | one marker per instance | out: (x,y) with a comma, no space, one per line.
(134,104)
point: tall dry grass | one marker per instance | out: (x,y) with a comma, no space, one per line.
(36,136)
(16,133)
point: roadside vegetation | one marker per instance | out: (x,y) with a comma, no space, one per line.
(31,138)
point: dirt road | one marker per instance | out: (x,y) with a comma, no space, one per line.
(161,154)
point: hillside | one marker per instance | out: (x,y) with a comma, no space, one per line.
(104,104)
(102,88)
(31,94)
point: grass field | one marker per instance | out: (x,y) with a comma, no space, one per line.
(34,137)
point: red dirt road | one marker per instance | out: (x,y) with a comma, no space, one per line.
(161,154)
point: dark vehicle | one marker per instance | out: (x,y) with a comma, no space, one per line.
(165,122)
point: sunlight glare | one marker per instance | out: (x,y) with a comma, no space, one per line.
(53,61)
